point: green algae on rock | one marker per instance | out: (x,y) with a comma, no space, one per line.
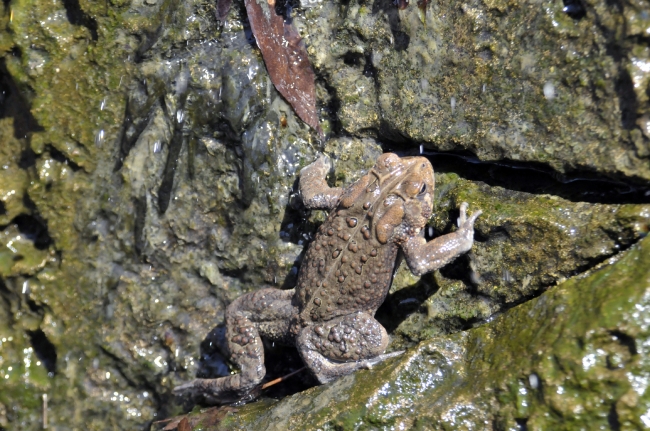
(573,358)
(125,291)
(515,80)
(527,243)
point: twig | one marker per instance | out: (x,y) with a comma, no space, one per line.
(280,379)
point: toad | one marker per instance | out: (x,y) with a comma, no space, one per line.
(343,279)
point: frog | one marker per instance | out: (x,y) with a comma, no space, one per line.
(344,277)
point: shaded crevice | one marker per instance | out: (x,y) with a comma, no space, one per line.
(34,228)
(356,59)
(401,39)
(140,212)
(353,58)
(575,9)
(147,41)
(628,103)
(536,178)
(167,183)
(44,350)
(27,158)
(137,114)
(285,8)
(333,106)
(612,418)
(33,225)
(624,86)
(522,424)
(13,105)
(398,306)
(62,158)
(175,145)
(626,340)
(369,70)
(77,16)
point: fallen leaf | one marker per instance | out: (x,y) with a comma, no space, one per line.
(286,60)
(184,425)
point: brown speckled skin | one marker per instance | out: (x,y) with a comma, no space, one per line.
(344,277)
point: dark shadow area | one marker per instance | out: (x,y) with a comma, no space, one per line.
(13,104)
(248,32)
(61,158)
(139,107)
(401,40)
(618,49)
(147,40)
(522,424)
(627,99)
(535,178)
(140,211)
(175,145)
(574,8)
(284,8)
(44,350)
(626,340)
(612,418)
(353,58)
(35,229)
(167,183)
(278,360)
(398,306)
(369,70)
(27,158)
(333,106)
(77,16)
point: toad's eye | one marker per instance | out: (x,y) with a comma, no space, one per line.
(423,189)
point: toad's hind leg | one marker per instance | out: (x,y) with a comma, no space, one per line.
(343,345)
(264,313)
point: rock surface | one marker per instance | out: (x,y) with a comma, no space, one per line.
(147,173)
(574,358)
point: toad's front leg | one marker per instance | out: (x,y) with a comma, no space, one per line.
(423,257)
(315,192)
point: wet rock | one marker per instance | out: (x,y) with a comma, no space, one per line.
(13,179)
(498,79)
(524,244)
(573,357)
(150,173)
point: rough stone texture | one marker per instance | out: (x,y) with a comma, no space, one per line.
(574,358)
(517,80)
(525,243)
(147,172)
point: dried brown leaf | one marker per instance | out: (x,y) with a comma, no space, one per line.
(184,425)
(285,57)
(172,425)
